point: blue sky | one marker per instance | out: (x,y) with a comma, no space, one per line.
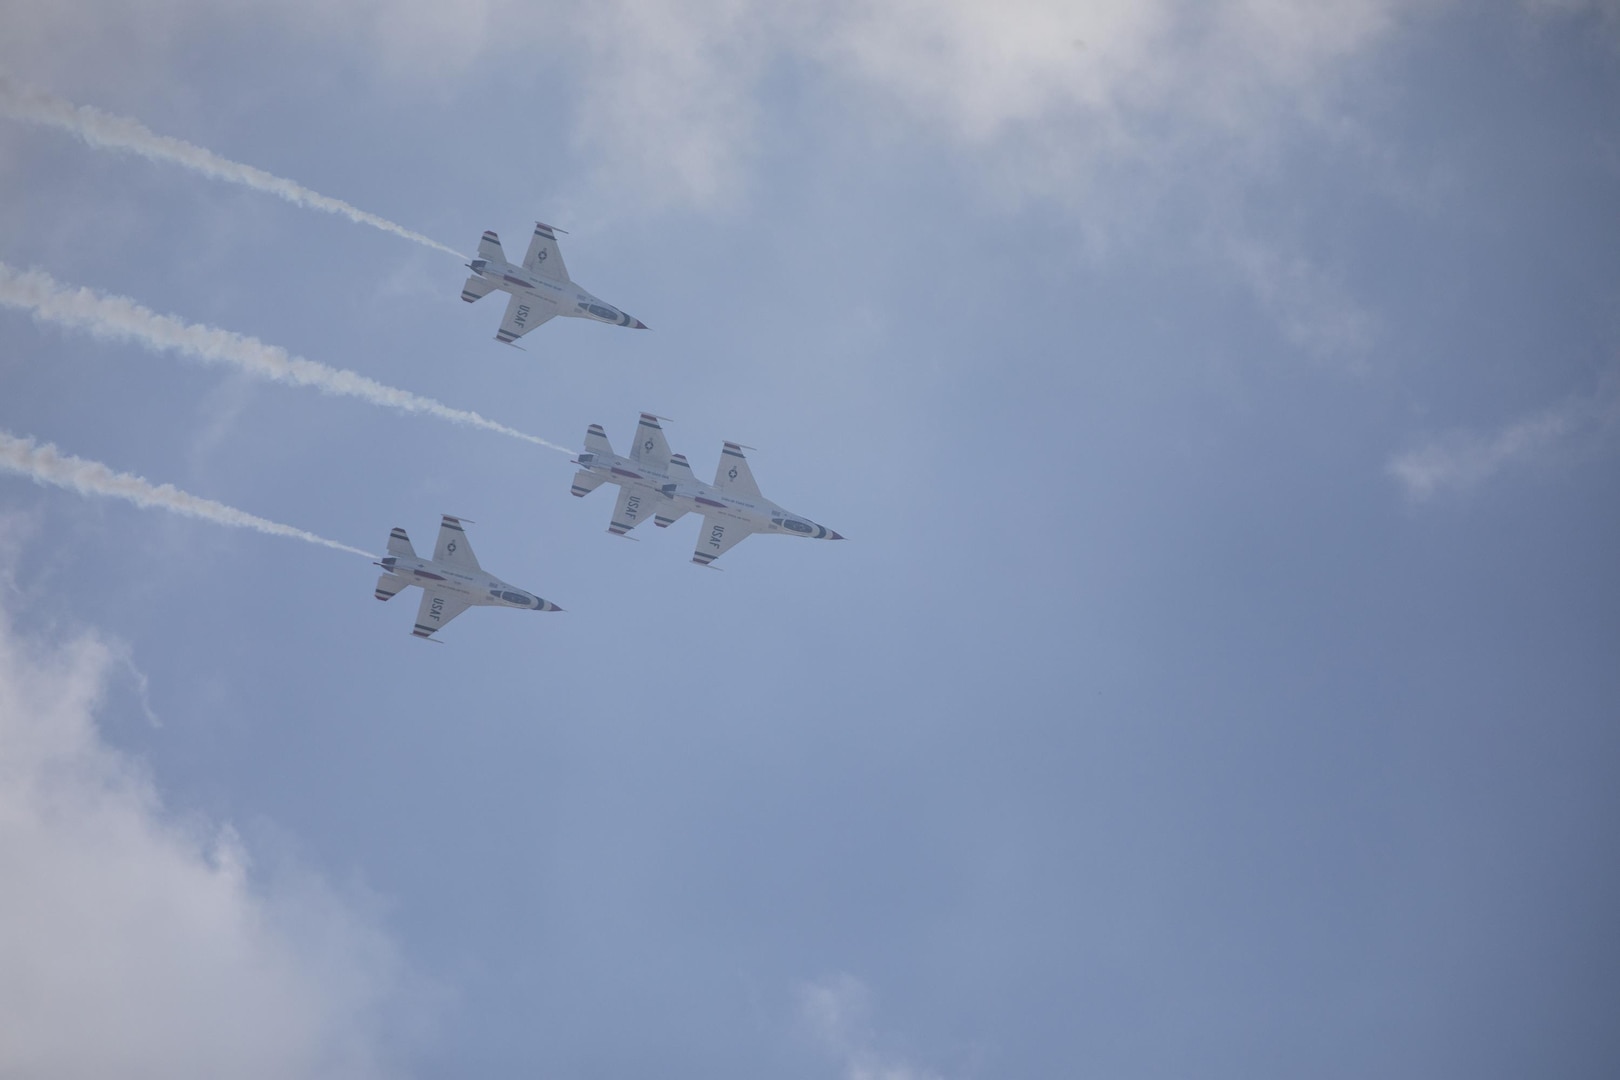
(1223,405)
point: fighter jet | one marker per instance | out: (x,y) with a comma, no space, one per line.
(452,581)
(540,288)
(647,479)
(732,507)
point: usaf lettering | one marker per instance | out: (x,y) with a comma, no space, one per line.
(438,606)
(716,534)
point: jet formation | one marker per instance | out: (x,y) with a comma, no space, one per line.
(540,288)
(451,582)
(656,483)
(652,481)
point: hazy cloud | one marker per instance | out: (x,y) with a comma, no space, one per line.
(1461,460)
(133,945)
(837,1011)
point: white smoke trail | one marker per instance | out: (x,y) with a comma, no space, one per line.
(109,132)
(48,465)
(120,318)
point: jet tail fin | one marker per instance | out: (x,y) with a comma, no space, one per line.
(490,247)
(400,545)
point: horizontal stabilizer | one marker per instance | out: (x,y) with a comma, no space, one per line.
(596,441)
(400,545)
(490,247)
(585,482)
(668,515)
(389,585)
(476,289)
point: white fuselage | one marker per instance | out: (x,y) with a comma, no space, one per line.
(757,512)
(547,295)
(653,492)
(471,587)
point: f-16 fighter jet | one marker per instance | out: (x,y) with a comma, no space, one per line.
(451,582)
(732,507)
(540,288)
(647,479)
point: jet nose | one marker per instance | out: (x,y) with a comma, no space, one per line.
(835,536)
(637,324)
(547,605)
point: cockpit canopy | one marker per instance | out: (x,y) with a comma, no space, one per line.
(600,312)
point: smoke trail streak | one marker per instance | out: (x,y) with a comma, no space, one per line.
(48,465)
(109,132)
(120,318)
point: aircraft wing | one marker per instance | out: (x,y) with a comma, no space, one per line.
(522,315)
(651,448)
(718,536)
(453,548)
(543,256)
(436,612)
(476,288)
(734,475)
(635,505)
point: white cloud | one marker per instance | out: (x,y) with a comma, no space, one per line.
(1462,460)
(134,945)
(837,1011)
(1310,306)
(1114,112)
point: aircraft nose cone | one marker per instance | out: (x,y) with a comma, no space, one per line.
(835,536)
(637,324)
(547,605)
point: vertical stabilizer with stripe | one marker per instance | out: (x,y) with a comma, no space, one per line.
(400,545)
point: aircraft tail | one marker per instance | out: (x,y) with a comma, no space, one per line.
(585,482)
(671,511)
(596,441)
(476,289)
(490,247)
(388,585)
(400,545)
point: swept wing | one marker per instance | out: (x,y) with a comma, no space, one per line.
(543,256)
(453,548)
(522,315)
(635,505)
(651,448)
(733,475)
(718,536)
(436,612)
